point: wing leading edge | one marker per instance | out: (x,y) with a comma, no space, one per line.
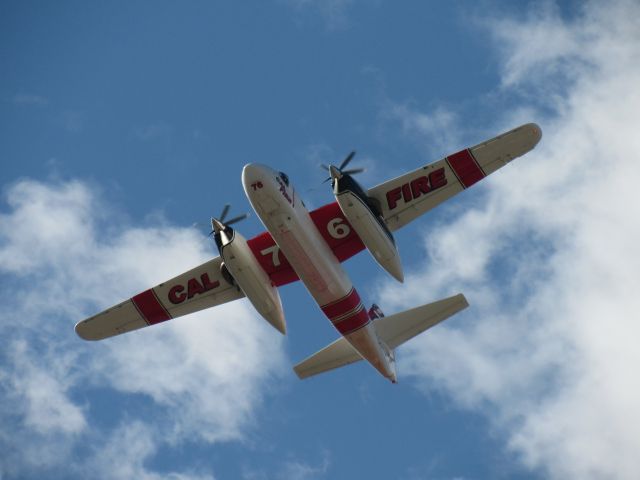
(199,288)
(407,197)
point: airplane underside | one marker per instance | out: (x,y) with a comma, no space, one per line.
(310,246)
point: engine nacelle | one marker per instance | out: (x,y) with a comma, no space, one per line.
(375,236)
(250,277)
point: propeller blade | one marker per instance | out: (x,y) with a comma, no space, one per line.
(216,225)
(236,219)
(337,172)
(219,224)
(353,171)
(346,161)
(224,213)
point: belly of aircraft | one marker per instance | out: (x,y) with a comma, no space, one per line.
(309,255)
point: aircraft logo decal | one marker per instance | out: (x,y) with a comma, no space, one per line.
(178,295)
(418,186)
(283,190)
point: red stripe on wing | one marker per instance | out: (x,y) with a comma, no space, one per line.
(150,307)
(466,168)
(282,273)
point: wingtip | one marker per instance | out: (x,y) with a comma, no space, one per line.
(460,297)
(536,132)
(84,332)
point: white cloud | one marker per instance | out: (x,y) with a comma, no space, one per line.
(72,121)
(153,131)
(64,254)
(29,99)
(41,393)
(292,469)
(333,12)
(436,131)
(298,470)
(123,457)
(547,256)
(206,370)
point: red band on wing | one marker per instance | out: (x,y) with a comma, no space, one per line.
(150,307)
(466,168)
(343,305)
(350,324)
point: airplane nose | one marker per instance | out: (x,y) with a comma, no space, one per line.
(259,186)
(253,173)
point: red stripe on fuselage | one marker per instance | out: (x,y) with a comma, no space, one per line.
(150,307)
(354,322)
(342,305)
(347,313)
(466,168)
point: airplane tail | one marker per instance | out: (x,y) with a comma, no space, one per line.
(393,331)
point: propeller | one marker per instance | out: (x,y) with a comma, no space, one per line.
(220,223)
(337,172)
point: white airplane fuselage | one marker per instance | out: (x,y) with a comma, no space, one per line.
(283,213)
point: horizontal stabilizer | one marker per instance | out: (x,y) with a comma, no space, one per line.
(337,354)
(393,330)
(396,329)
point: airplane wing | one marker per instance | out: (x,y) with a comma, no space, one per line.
(197,289)
(405,198)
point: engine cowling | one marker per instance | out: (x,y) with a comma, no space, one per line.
(250,277)
(368,224)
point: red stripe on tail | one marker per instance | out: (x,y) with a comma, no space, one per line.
(466,168)
(150,307)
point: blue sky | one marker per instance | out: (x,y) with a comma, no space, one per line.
(123,124)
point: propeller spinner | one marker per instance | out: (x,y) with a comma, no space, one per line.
(220,224)
(338,172)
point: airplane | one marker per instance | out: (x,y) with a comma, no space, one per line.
(310,246)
